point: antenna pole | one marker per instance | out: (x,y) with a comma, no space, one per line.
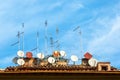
(23,36)
(46,38)
(18,40)
(52,44)
(80,37)
(80,40)
(57,32)
(37,43)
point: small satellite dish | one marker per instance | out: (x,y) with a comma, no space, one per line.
(56,53)
(29,54)
(87,55)
(20,61)
(15,60)
(74,58)
(51,60)
(20,53)
(62,53)
(92,62)
(40,55)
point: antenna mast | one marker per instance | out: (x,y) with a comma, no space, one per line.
(78,27)
(46,38)
(52,43)
(18,35)
(37,42)
(57,32)
(23,36)
(80,40)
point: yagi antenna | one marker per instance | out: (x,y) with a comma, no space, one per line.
(52,43)
(46,38)
(76,28)
(15,43)
(18,42)
(23,36)
(18,35)
(80,33)
(57,42)
(37,43)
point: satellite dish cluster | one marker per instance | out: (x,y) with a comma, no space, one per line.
(20,59)
(56,56)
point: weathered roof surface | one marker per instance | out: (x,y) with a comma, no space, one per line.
(57,75)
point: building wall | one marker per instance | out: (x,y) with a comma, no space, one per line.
(104,64)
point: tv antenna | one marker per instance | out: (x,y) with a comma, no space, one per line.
(80,33)
(18,35)
(23,36)
(46,38)
(37,43)
(52,43)
(57,42)
(18,42)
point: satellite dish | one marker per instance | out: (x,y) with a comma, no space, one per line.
(29,54)
(74,58)
(87,55)
(20,53)
(62,53)
(15,60)
(40,55)
(51,60)
(56,54)
(92,62)
(20,61)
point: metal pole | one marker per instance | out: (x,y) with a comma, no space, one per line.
(37,43)
(57,32)
(46,39)
(80,41)
(23,36)
(18,40)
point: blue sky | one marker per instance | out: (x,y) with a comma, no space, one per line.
(99,22)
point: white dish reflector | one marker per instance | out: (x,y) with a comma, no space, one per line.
(62,53)
(20,53)
(40,55)
(20,61)
(74,58)
(93,62)
(51,60)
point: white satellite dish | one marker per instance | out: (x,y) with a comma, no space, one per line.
(20,53)
(51,60)
(20,61)
(92,62)
(40,55)
(74,58)
(62,53)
